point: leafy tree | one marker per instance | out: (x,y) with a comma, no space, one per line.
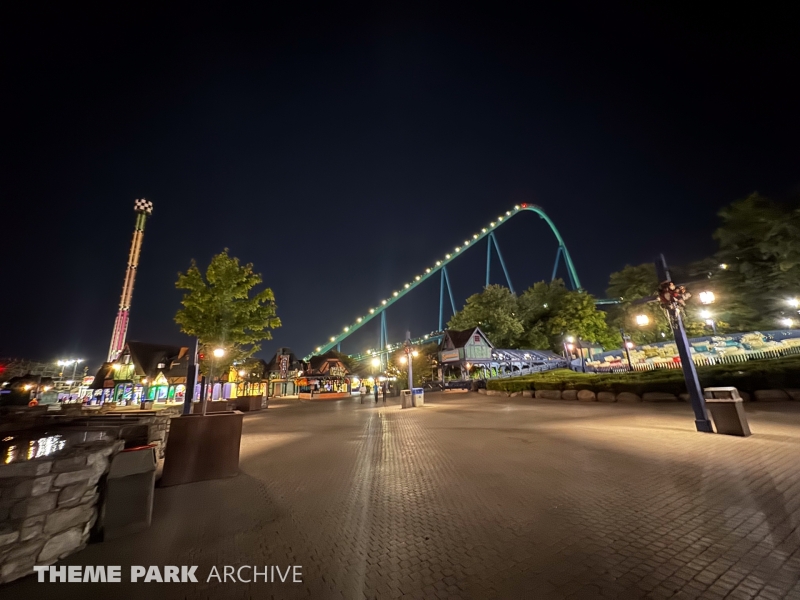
(576,314)
(220,311)
(494,310)
(633,285)
(759,246)
(539,318)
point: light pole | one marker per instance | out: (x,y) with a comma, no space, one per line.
(409,357)
(707,316)
(672,299)
(627,344)
(568,347)
(218,353)
(708,298)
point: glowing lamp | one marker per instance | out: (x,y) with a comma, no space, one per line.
(707,297)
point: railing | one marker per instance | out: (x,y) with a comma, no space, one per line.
(529,370)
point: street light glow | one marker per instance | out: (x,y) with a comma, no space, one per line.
(642,320)
(376,362)
(794,302)
(707,297)
(787,323)
(414,353)
(570,339)
(219,352)
(403,359)
(705,314)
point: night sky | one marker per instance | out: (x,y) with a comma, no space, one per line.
(342,150)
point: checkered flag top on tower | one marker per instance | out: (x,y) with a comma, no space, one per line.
(144,206)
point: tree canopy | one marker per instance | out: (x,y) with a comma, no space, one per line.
(220,310)
(494,310)
(540,318)
(757,266)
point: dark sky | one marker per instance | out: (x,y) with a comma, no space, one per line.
(342,150)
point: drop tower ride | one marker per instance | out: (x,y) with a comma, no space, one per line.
(143,209)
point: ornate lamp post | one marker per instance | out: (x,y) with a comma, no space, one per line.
(673,300)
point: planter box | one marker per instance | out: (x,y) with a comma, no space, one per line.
(202,447)
(212,407)
(248,403)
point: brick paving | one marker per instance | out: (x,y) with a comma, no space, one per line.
(482,497)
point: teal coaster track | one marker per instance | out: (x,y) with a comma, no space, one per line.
(441,265)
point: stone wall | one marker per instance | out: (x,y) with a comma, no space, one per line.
(159,428)
(49,506)
(590,396)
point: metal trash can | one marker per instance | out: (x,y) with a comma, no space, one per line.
(727,410)
(131,480)
(408,399)
(418,396)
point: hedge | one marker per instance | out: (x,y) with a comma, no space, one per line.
(748,376)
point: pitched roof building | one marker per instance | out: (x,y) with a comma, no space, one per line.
(143,371)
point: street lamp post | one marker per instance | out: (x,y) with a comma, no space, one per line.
(626,343)
(707,316)
(673,306)
(218,353)
(708,298)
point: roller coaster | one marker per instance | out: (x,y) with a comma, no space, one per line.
(440,267)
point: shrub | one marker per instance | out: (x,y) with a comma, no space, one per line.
(748,376)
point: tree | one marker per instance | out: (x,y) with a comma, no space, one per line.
(538,319)
(219,310)
(758,262)
(494,310)
(537,305)
(633,285)
(576,314)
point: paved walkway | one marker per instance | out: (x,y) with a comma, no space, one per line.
(482,497)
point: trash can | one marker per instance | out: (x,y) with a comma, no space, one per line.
(418,396)
(727,410)
(408,399)
(128,506)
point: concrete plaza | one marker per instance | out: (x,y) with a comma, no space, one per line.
(481,497)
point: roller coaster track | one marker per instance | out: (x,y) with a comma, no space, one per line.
(439,265)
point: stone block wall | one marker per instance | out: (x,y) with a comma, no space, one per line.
(159,427)
(49,506)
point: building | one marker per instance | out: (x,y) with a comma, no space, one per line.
(466,350)
(326,375)
(283,372)
(146,371)
(469,354)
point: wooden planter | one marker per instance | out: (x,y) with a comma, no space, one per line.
(248,403)
(214,406)
(202,447)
